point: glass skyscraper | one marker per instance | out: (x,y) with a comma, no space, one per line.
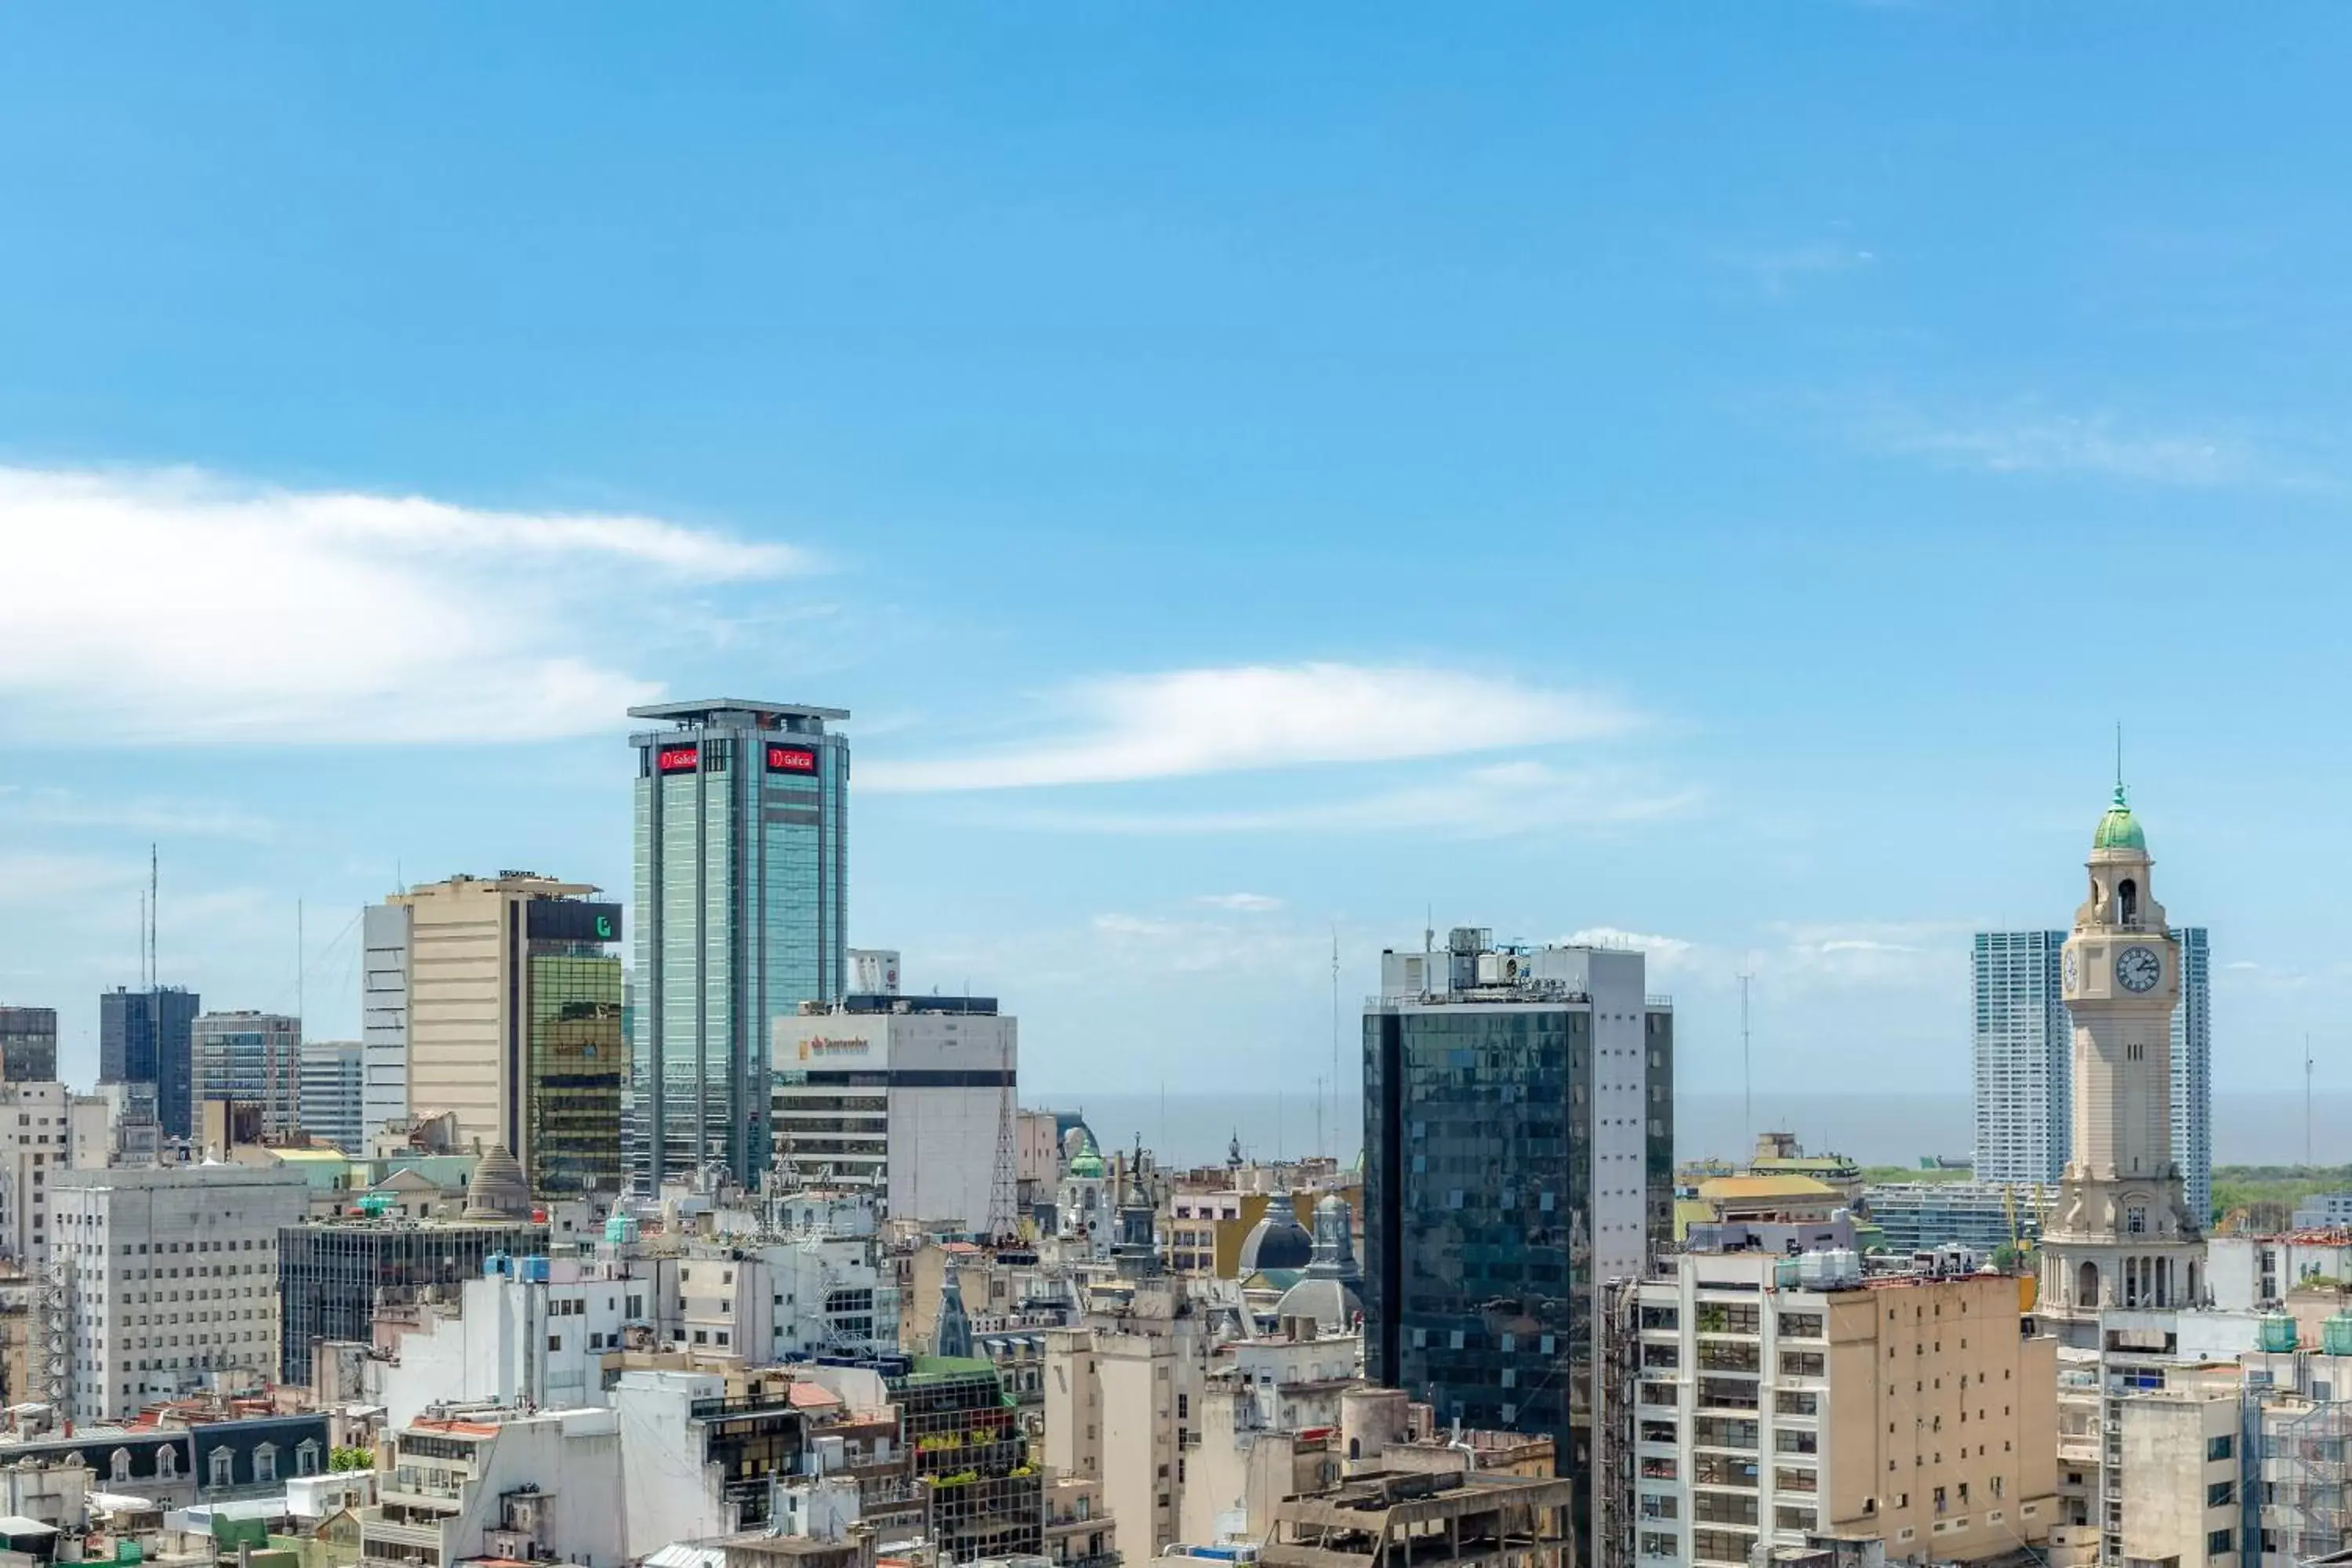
(740,875)
(143,1038)
(1518,1138)
(2024,1056)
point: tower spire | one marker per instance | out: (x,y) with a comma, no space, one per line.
(2119,763)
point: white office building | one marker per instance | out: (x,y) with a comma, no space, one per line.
(2024,1108)
(384,1017)
(334,1093)
(169,1275)
(911,1096)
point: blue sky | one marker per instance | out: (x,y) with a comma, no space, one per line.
(1253,472)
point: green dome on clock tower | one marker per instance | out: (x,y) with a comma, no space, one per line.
(2119,829)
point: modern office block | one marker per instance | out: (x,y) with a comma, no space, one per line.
(908,1097)
(513,1022)
(1518,1129)
(741,874)
(2193,1071)
(28,1045)
(331,1278)
(334,1093)
(142,1037)
(248,1059)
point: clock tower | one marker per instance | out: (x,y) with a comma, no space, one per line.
(2122,1235)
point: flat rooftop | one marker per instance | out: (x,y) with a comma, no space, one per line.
(704,708)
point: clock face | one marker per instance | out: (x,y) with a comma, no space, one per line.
(2072,970)
(2138,969)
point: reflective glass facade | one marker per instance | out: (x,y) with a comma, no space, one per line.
(1501,1139)
(142,1037)
(576,1064)
(741,873)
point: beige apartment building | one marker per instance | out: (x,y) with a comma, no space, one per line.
(1777,1398)
(513,999)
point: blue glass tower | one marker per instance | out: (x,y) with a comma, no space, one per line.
(740,876)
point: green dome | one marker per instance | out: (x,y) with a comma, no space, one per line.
(1087,1161)
(2119,829)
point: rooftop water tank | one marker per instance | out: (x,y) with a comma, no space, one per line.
(2277,1332)
(621,1228)
(2336,1334)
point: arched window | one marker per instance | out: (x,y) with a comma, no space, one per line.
(121,1461)
(2086,1284)
(265,1462)
(306,1458)
(2128,902)
(1355,1448)
(224,1463)
(167,1464)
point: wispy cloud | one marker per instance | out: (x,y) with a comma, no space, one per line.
(62,808)
(1776,271)
(1247,904)
(1799,958)
(1187,722)
(183,607)
(2030,439)
(1486,802)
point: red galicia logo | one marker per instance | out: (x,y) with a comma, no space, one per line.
(791,759)
(677,759)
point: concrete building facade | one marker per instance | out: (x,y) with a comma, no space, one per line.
(1771,1406)
(170,1275)
(906,1095)
(384,1017)
(334,1093)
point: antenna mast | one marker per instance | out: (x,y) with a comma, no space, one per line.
(1334,1043)
(2306,1098)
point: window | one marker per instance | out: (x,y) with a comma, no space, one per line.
(1794,1440)
(1790,1403)
(265,1462)
(1801,1325)
(2219,1544)
(2220,1494)
(306,1458)
(167,1464)
(1655,1506)
(223,1464)
(2219,1448)
(121,1461)
(1804,1363)
(1726,1318)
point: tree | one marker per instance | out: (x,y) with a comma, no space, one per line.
(352,1460)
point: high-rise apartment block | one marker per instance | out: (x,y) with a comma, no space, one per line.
(169,1276)
(1778,1399)
(142,1037)
(2023,1062)
(907,1096)
(2021,1041)
(1518,1136)
(332,1093)
(36,1148)
(512,1018)
(740,875)
(248,1059)
(28,1045)
(383,1017)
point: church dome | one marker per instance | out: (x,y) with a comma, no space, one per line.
(498,1190)
(1277,1240)
(2119,829)
(1087,1162)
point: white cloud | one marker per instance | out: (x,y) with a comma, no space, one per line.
(1250,903)
(2031,440)
(177,605)
(1494,801)
(1182,723)
(62,808)
(1775,270)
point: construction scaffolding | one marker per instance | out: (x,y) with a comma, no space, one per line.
(2299,1445)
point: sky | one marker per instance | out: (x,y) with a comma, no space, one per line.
(1264,481)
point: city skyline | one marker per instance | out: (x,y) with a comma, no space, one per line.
(1237,526)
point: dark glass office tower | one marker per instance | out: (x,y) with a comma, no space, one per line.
(144,1036)
(1518,1155)
(28,1045)
(741,869)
